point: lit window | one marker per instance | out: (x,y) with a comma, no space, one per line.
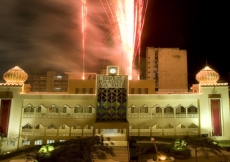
(38,142)
(50,141)
(25,142)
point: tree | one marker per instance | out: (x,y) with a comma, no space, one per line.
(78,150)
(204,145)
(2,139)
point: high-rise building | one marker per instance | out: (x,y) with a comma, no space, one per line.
(51,82)
(168,67)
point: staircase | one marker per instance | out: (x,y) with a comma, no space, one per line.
(121,153)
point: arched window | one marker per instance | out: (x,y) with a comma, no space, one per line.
(27,126)
(192,110)
(28,109)
(168,109)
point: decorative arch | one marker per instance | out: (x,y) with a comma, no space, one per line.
(53,109)
(28,108)
(192,111)
(77,109)
(133,130)
(133,109)
(144,109)
(169,130)
(168,112)
(193,129)
(181,129)
(180,111)
(88,130)
(157,130)
(27,126)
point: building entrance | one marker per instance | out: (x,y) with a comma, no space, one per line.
(112,134)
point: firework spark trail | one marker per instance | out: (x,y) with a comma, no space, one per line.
(125,19)
(84,20)
(140,10)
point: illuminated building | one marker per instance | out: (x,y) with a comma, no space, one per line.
(51,82)
(168,67)
(111,105)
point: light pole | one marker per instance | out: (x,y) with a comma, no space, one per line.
(160,157)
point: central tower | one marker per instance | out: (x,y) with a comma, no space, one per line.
(111,111)
(112,91)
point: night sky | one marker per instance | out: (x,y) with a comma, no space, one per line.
(46,35)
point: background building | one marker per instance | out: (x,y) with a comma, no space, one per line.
(51,82)
(168,67)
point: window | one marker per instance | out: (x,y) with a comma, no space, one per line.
(78,110)
(37,127)
(53,110)
(27,126)
(132,90)
(76,127)
(51,127)
(158,110)
(77,91)
(87,127)
(62,126)
(133,127)
(39,109)
(168,126)
(144,109)
(38,142)
(61,140)
(146,90)
(134,109)
(50,141)
(10,142)
(25,142)
(192,126)
(168,109)
(192,110)
(139,90)
(144,126)
(28,109)
(63,110)
(91,90)
(181,110)
(88,109)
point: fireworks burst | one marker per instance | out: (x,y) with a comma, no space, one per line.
(125,21)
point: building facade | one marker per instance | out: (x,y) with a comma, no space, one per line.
(168,67)
(51,82)
(115,107)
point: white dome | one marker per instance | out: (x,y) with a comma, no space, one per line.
(15,76)
(207,76)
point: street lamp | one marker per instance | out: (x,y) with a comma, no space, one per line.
(160,157)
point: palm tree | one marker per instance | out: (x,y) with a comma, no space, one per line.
(204,145)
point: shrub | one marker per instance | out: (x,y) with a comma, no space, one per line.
(180,154)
